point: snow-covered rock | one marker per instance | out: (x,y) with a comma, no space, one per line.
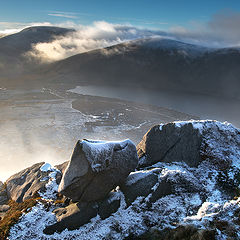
(190,142)
(77,214)
(200,203)
(96,168)
(26,183)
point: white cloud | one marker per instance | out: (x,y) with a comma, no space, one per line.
(100,34)
(62,15)
(14,27)
(222,30)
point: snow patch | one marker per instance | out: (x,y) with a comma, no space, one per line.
(99,153)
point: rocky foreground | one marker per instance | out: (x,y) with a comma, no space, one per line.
(180,182)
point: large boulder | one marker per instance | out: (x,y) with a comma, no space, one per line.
(138,184)
(77,214)
(25,184)
(170,143)
(190,142)
(96,168)
(157,183)
(72,217)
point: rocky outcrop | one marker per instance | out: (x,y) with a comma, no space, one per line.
(156,183)
(25,184)
(188,142)
(61,167)
(3,194)
(173,197)
(170,143)
(77,214)
(96,168)
(144,183)
(72,217)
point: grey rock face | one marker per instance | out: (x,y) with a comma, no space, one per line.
(3,194)
(156,183)
(72,217)
(143,183)
(109,205)
(61,167)
(77,214)
(96,168)
(25,184)
(170,143)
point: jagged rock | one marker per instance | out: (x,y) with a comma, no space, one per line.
(170,143)
(3,194)
(72,217)
(144,183)
(189,142)
(3,210)
(139,184)
(77,214)
(109,205)
(25,184)
(96,168)
(157,183)
(61,167)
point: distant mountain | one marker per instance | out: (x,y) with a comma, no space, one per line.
(22,41)
(153,63)
(12,47)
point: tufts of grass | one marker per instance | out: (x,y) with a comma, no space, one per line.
(13,214)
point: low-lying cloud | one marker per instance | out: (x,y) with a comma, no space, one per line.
(222,30)
(85,38)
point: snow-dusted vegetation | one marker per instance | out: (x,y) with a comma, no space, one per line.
(201,197)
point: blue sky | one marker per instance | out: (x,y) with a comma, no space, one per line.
(157,14)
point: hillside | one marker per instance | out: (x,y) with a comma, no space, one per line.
(155,64)
(186,188)
(14,46)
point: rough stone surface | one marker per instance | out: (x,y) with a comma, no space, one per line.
(77,214)
(25,184)
(3,210)
(170,143)
(96,168)
(3,194)
(72,217)
(61,167)
(109,205)
(141,184)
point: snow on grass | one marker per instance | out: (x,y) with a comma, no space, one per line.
(32,224)
(51,186)
(168,211)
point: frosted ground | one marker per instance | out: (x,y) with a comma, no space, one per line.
(43,124)
(199,209)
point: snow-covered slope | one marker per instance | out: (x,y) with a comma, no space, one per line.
(202,196)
